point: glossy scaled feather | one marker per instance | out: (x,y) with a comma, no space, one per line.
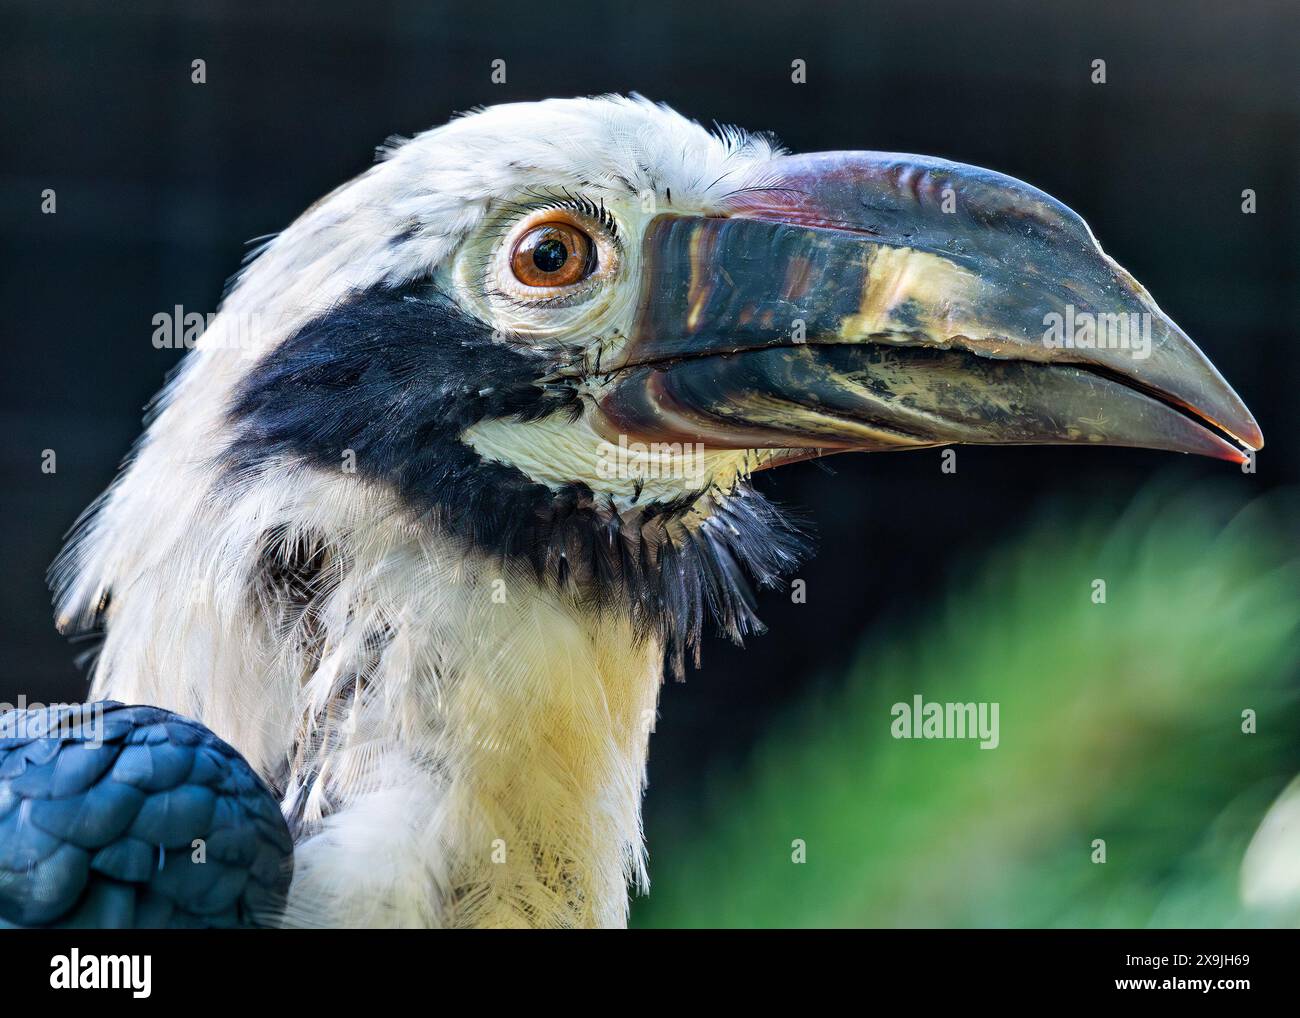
(116,816)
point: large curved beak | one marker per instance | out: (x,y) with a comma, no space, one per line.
(875,301)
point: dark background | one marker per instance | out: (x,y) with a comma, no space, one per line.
(161,182)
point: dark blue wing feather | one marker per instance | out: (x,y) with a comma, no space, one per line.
(115,816)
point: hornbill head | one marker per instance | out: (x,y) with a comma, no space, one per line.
(567,332)
(586,322)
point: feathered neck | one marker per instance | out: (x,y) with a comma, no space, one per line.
(456,744)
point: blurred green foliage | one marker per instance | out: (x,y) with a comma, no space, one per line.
(1120,721)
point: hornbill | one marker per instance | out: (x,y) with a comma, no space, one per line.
(464,461)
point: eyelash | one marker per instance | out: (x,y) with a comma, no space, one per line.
(514,212)
(572,202)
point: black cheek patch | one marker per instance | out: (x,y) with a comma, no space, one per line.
(388,381)
(392,375)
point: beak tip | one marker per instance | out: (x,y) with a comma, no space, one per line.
(1253,438)
(1245,444)
(1244,430)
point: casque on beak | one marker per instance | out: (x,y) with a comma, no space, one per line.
(875,301)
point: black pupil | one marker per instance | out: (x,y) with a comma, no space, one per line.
(550,255)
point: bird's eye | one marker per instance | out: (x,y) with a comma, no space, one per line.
(553,254)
